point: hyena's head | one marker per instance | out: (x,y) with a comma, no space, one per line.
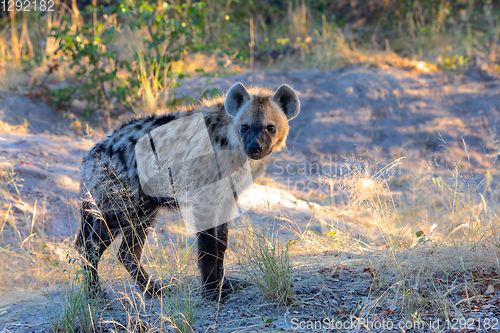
(260,118)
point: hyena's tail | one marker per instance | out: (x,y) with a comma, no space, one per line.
(79,241)
(83,233)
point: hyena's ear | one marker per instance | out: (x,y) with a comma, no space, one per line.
(236,96)
(288,100)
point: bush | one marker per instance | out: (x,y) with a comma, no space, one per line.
(171,33)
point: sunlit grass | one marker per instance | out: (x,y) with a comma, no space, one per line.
(269,268)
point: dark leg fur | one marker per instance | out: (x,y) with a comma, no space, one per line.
(93,239)
(208,260)
(212,245)
(95,236)
(229,285)
(222,234)
(129,255)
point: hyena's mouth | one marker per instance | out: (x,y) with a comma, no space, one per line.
(257,156)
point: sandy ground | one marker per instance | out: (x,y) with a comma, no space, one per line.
(379,114)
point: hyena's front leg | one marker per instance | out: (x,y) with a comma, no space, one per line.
(222,236)
(129,255)
(228,284)
(208,262)
(212,213)
(212,245)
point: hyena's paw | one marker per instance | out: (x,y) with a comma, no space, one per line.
(96,293)
(216,294)
(221,293)
(232,285)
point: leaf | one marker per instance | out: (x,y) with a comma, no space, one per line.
(372,271)
(385,313)
(489,290)
(419,233)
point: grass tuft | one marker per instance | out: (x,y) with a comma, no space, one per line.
(74,311)
(270,270)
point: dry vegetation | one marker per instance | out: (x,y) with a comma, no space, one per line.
(412,240)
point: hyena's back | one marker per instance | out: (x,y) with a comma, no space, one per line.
(109,180)
(109,177)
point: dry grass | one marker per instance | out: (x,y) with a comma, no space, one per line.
(156,86)
(430,236)
(5,127)
(268,266)
(421,40)
(24,242)
(28,36)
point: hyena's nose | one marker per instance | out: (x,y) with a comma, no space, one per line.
(254,148)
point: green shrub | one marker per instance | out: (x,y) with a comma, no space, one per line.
(171,32)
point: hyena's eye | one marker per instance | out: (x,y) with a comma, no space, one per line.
(271,128)
(244,128)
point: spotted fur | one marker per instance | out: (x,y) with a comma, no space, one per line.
(113,201)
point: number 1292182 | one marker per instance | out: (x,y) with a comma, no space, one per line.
(27,5)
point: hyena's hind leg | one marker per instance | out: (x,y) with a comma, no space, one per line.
(130,253)
(92,240)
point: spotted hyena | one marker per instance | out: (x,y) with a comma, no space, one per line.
(243,127)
